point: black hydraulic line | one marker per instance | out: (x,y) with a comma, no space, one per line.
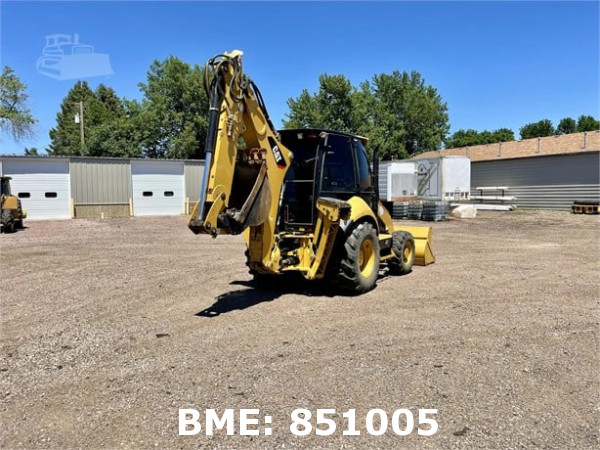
(236,79)
(213,119)
(261,104)
(211,139)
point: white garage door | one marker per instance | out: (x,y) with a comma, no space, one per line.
(158,188)
(42,185)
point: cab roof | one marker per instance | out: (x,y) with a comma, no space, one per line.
(318,131)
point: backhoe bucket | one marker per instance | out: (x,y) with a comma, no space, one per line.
(423,252)
(252,190)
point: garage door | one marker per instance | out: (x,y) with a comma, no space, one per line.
(42,185)
(158,188)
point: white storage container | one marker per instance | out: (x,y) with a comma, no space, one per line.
(444,178)
(397,180)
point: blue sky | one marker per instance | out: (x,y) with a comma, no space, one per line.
(496,64)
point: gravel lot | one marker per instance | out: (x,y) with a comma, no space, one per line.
(109,327)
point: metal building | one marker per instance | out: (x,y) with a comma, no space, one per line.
(157,189)
(42,184)
(543,182)
(101,187)
(193,172)
(543,173)
(66,187)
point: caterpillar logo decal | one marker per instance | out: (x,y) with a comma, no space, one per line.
(279,160)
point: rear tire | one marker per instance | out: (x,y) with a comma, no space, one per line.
(403,248)
(19,222)
(359,266)
(8,222)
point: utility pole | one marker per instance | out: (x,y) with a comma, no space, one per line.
(81,125)
(79,120)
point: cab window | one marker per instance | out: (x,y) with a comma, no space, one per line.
(364,175)
(4,187)
(338,165)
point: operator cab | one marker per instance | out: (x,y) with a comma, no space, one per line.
(324,164)
(5,185)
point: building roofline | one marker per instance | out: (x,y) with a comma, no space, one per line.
(547,155)
(581,142)
(83,157)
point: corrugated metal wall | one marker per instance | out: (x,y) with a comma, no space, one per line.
(100,181)
(545,182)
(193,171)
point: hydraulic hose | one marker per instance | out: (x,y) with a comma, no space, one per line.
(211,140)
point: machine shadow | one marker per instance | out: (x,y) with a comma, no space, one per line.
(16,230)
(255,293)
(239,300)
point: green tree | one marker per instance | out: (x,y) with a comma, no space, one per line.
(399,113)
(503,135)
(15,116)
(566,126)
(303,112)
(32,151)
(463,138)
(334,101)
(408,116)
(65,137)
(120,137)
(467,138)
(379,123)
(542,128)
(332,107)
(587,123)
(100,107)
(174,113)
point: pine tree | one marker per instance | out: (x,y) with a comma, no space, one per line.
(100,108)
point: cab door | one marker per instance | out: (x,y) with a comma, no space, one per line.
(338,168)
(365,187)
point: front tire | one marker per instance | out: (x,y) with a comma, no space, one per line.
(359,266)
(403,247)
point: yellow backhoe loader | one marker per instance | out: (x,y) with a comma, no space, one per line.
(305,200)
(11,211)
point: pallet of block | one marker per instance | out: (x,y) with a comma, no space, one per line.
(586,207)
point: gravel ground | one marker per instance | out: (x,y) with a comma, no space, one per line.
(109,327)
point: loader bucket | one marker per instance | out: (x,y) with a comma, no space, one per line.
(423,251)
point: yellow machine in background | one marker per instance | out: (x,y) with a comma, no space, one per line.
(305,200)
(11,212)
